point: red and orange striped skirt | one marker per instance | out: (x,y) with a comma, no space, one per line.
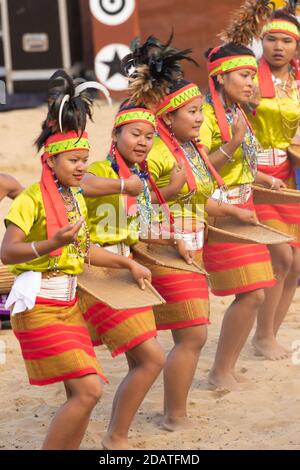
(283,217)
(186,295)
(235,268)
(55,344)
(119,330)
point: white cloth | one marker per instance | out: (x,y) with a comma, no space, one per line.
(238,195)
(61,288)
(30,285)
(271,157)
(194,240)
(119,249)
(24,291)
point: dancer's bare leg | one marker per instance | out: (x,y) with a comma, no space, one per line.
(69,425)
(275,305)
(145,363)
(179,372)
(238,321)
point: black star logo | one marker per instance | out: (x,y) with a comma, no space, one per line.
(114,66)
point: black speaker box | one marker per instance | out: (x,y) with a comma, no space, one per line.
(42,36)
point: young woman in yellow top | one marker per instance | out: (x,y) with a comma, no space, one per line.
(114,223)
(275,122)
(47,240)
(236,269)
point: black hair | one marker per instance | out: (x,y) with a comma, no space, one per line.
(228,50)
(75,111)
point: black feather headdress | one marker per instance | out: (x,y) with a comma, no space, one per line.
(151,67)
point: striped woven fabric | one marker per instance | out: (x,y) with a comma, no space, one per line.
(119,330)
(55,344)
(236,268)
(186,295)
(283,217)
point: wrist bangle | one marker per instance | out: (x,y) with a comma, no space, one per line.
(122,185)
(35,250)
(229,157)
(273,182)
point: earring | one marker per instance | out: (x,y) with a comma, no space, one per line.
(114,163)
(59,186)
(173,138)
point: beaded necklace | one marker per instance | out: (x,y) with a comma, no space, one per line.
(250,145)
(143,200)
(199,168)
(80,248)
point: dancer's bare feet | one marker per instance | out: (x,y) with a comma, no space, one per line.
(225,381)
(111,442)
(176,424)
(270,349)
(241,378)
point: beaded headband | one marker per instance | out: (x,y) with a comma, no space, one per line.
(134,115)
(178,99)
(60,143)
(228,64)
(282,26)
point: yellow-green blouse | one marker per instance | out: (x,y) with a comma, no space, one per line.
(233,173)
(276,120)
(28,213)
(161,162)
(107,220)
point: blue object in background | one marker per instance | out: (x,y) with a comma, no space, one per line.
(297,171)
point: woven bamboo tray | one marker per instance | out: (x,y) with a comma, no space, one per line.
(117,289)
(270,196)
(167,256)
(231,230)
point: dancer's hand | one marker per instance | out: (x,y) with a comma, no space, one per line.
(178,177)
(186,254)
(239,129)
(255,97)
(67,235)
(140,273)
(245,215)
(133,185)
(276,184)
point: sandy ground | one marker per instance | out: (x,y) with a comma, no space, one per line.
(263,417)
